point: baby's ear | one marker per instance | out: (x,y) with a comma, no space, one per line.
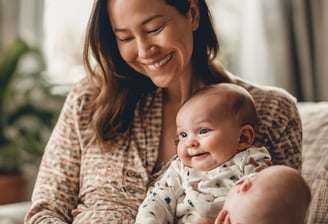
(246,138)
(245,185)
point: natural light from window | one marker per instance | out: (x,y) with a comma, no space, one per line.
(64,27)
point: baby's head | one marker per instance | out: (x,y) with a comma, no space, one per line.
(214,124)
(277,194)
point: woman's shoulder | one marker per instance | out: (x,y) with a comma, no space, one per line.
(279,126)
(269,97)
(276,108)
(81,92)
(265,91)
(81,88)
(79,98)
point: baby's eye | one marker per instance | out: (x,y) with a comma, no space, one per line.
(183,135)
(203,131)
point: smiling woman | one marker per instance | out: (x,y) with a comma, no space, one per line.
(103,178)
(150,43)
(117,127)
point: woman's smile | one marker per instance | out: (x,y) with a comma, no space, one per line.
(157,65)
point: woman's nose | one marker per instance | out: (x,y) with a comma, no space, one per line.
(145,48)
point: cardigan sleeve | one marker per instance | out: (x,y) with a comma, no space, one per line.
(56,189)
(280,128)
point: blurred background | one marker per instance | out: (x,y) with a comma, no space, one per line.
(281,43)
(278,42)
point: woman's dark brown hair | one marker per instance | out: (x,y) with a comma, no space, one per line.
(118,86)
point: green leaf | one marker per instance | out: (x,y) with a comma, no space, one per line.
(10,60)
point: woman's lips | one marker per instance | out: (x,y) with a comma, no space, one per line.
(157,65)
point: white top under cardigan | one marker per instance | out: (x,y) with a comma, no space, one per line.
(183,194)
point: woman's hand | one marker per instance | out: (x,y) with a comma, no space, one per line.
(223,218)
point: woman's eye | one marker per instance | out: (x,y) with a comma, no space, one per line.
(183,135)
(203,131)
(126,39)
(156,30)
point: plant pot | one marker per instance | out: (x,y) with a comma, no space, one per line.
(13,188)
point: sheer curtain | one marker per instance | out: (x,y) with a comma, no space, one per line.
(9,30)
(64,25)
(278,42)
(21,18)
(55,26)
(298,44)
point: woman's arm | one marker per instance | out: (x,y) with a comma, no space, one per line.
(280,128)
(56,189)
(288,146)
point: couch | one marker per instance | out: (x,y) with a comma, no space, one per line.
(315,158)
(315,166)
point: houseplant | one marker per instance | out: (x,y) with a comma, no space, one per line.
(28,110)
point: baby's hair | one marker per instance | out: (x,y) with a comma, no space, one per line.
(290,195)
(240,103)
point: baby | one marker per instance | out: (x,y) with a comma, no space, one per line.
(216,129)
(278,194)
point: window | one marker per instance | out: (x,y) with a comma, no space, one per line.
(64,27)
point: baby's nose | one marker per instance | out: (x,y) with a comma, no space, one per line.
(193,143)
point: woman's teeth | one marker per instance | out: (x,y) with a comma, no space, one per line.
(160,63)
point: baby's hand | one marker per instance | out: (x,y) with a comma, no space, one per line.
(223,218)
(204,220)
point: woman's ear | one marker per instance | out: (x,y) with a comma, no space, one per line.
(246,138)
(194,14)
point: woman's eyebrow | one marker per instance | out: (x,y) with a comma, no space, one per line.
(143,23)
(150,19)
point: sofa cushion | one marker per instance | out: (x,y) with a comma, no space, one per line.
(315,158)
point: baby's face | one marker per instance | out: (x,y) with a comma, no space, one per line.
(257,199)
(208,137)
(241,202)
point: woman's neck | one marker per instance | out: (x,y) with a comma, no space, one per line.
(179,93)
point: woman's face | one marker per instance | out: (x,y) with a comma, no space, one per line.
(154,38)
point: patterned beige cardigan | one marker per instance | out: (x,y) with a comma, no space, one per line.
(77,183)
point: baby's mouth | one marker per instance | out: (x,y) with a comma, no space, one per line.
(199,155)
